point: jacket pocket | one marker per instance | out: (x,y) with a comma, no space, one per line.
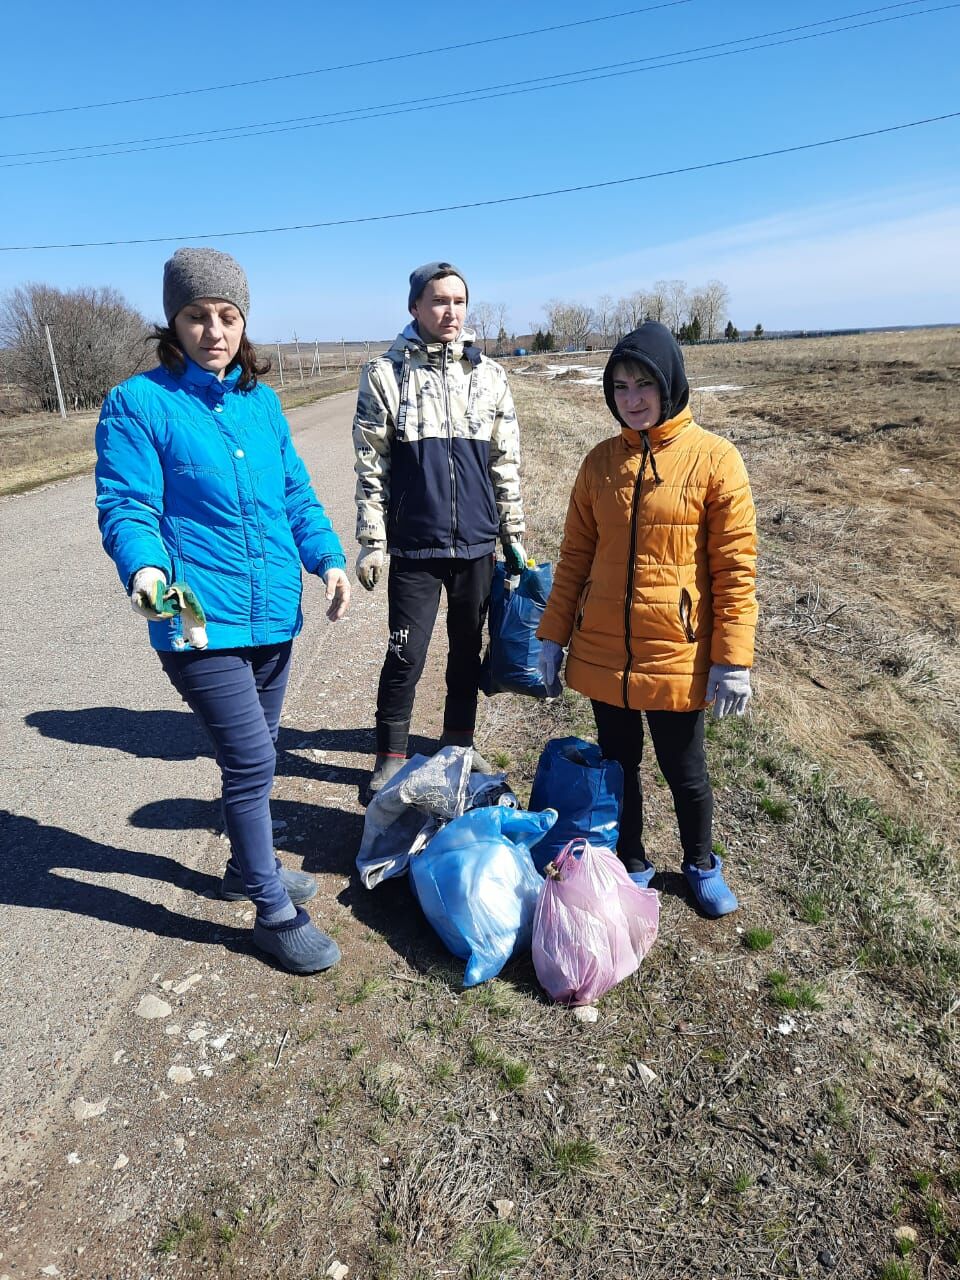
(686,615)
(582,604)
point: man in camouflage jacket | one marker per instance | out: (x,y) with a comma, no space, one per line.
(438,483)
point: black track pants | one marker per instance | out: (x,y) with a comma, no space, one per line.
(678,743)
(413,597)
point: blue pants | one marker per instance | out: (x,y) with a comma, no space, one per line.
(238,696)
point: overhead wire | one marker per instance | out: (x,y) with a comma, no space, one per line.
(497,200)
(559,80)
(353,66)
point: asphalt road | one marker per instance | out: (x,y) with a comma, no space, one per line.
(102,770)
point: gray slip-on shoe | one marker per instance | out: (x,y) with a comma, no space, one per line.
(296,944)
(298,885)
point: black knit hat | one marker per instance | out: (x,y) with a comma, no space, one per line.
(421,277)
(653,346)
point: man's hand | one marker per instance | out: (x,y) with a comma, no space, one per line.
(548,664)
(370,564)
(143,592)
(728,688)
(338,593)
(514,555)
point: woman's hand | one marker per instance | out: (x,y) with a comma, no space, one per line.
(338,593)
(728,688)
(143,592)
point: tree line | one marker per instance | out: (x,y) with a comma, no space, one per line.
(692,315)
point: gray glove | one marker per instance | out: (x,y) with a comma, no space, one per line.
(549,664)
(728,688)
(370,564)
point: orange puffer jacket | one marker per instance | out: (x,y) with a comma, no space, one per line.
(657,570)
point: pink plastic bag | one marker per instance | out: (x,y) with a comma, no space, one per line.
(592,925)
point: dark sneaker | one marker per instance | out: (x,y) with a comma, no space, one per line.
(298,885)
(297,944)
(713,896)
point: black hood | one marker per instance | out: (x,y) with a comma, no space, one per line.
(652,345)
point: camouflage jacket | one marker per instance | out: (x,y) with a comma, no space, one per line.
(438,451)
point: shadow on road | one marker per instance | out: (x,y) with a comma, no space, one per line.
(37,861)
(155,735)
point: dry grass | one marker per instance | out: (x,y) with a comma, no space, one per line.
(36,448)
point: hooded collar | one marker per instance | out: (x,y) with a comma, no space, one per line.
(463,347)
(654,346)
(659,435)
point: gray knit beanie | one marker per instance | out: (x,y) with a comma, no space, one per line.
(203,273)
(420,278)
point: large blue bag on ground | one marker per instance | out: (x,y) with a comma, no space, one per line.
(478,887)
(586,791)
(516,607)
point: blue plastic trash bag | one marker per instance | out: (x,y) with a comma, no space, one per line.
(586,791)
(478,886)
(516,607)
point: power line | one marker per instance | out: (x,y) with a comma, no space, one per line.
(484,204)
(352,66)
(375,111)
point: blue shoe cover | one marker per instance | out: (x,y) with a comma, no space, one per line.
(298,885)
(713,895)
(643,878)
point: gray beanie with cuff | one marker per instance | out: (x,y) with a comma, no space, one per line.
(203,273)
(420,278)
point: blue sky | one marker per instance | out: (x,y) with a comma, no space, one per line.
(861,233)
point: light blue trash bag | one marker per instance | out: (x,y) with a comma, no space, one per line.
(478,887)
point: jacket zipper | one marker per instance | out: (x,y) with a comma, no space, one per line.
(453,474)
(628,597)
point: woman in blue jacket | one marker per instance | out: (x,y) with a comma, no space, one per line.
(199,484)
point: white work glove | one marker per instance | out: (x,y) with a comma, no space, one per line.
(338,593)
(548,664)
(370,564)
(514,555)
(143,591)
(728,688)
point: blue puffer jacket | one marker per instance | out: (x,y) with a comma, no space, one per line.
(203,481)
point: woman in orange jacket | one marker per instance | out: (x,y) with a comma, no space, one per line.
(655,594)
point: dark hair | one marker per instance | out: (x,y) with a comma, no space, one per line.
(170,355)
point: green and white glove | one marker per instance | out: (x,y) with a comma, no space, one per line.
(370,563)
(144,589)
(728,688)
(514,555)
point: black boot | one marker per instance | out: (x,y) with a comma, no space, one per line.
(392,738)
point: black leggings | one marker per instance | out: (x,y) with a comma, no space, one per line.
(413,597)
(678,743)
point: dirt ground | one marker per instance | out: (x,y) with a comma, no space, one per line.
(772,1094)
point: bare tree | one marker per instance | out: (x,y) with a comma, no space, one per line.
(482,319)
(657,305)
(603,318)
(98,337)
(715,300)
(677,303)
(501,314)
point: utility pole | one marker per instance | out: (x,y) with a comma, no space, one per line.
(280,364)
(296,343)
(56,373)
(343,348)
